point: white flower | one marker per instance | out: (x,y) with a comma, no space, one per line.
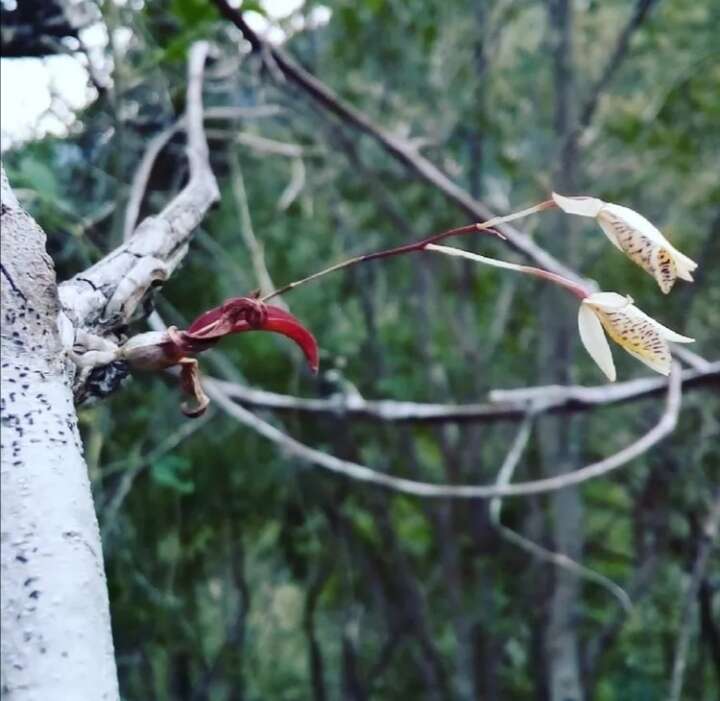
(635,236)
(640,335)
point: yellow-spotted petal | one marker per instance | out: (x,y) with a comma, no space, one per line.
(637,243)
(633,220)
(645,245)
(593,338)
(664,331)
(663,268)
(685,266)
(639,335)
(635,236)
(660,362)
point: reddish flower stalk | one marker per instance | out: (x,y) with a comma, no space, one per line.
(486,226)
(160,350)
(387,253)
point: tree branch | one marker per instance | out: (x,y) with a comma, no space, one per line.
(399,148)
(663,428)
(707,543)
(503,405)
(640,11)
(558,559)
(106,295)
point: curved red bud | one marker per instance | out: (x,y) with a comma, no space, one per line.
(236,314)
(280,321)
(241,314)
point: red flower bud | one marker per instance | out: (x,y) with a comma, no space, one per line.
(280,321)
(248,314)
(160,350)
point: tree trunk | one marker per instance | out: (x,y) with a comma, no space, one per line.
(56,637)
(559,440)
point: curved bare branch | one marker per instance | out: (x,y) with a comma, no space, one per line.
(663,428)
(106,295)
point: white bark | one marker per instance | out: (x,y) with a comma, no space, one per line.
(56,637)
(107,294)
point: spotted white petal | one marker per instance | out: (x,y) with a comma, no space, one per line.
(609,231)
(664,268)
(582,206)
(660,362)
(645,245)
(685,266)
(640,335)
(608,300)
(635,221)
(664,331)
(593,338)
(635,236)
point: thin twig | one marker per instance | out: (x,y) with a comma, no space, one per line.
(142,175)
(130,475)
(707,543)
(264,145)
(663,428)
(138,186)
(294,186)
(639,13)
(257,257)
(558,559)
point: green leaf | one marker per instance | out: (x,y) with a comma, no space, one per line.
(168,470)
(193,12)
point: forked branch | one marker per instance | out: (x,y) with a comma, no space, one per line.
(665,426)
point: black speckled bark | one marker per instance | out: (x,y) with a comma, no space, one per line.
(56,638)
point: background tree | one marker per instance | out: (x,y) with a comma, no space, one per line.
(235,571)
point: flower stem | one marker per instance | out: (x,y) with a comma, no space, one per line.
(578,290)
(486,226)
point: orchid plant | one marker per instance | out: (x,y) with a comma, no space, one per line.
(600,314)
(159,350)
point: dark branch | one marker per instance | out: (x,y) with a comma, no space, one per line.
(399,148)
(640,12)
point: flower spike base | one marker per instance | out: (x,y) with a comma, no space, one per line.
(160,350)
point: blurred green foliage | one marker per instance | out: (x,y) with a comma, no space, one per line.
(237,572)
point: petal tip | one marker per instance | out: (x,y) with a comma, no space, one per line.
(581,206)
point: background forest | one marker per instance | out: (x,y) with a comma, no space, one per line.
(239,571)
